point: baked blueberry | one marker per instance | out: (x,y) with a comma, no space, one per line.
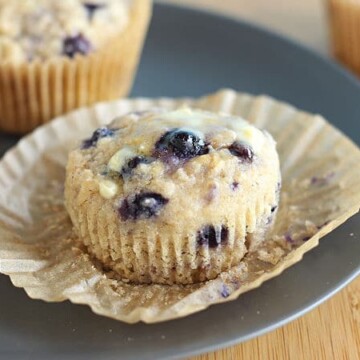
(208,236)
(134,163)
(289,238)
(269,219)
(242,151)
(142,206)
(77,44)
(322,180)
(92,7)
(225,291)
(181,143)
(97,134)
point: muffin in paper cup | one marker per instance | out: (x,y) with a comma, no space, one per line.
(33,91)
(41,253)
(344,19)
(173,197)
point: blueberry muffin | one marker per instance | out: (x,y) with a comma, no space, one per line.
(173,197)
(58,55)
(42,29)
(344,21)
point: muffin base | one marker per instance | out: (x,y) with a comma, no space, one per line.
(208,267)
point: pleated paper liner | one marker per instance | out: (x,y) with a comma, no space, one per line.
(40,253)
(344,17)
(33,93)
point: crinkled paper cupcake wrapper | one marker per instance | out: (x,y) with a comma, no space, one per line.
(33,93)
(39,251)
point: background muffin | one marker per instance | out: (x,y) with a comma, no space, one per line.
(173,197)
(345,31)
(59,55)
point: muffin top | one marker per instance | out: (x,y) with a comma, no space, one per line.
(147,157)
(41,29)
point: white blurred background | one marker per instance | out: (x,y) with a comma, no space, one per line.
(301,20)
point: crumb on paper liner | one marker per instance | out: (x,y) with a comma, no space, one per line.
(40,253)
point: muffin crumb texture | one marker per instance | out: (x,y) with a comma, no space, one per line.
(173,197)
(41,29)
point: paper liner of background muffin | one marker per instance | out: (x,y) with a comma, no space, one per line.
(35,92)
(39,251)
(344,17)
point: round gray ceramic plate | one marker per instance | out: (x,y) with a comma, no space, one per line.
(190,52)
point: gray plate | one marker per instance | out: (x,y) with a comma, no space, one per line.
(191,53)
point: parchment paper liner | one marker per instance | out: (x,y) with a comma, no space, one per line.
(344,18)
(34,93)
(38,250)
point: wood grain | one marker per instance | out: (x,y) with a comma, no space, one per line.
(332,330)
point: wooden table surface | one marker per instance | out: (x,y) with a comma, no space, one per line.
(332,330)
